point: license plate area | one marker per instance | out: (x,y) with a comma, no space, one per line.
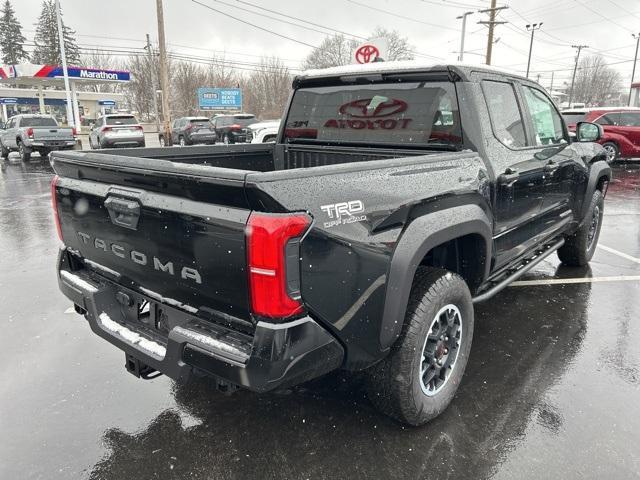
(145,316)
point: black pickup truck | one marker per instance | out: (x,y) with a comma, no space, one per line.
(396,197)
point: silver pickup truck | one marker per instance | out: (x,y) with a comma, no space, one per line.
(40,133)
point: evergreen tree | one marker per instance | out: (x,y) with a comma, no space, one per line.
(47,48)
(11,38)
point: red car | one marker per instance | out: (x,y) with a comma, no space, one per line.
(621,128)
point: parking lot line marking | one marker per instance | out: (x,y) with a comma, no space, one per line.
(560,281)
(620,254)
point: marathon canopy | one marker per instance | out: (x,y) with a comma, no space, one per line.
(31,74)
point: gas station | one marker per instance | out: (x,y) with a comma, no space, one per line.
(31,88)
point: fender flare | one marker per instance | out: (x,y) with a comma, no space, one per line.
(422,235)
(597,171)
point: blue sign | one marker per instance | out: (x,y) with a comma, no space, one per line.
(8,101)
(107,103)
(55,71)
(220,98)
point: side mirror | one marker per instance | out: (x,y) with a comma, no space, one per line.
(589,132)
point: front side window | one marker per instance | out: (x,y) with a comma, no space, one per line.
(630,119)
(504,111)
(547,123)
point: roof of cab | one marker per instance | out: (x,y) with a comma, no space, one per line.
(404,66)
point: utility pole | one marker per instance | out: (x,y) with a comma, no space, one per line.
(551,87)
(532,27)
(464,27)
(575,69)
(65,72)
(492,23)
(154,86)
(635,59)
(164,75)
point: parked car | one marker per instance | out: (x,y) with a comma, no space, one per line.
(233,128)
(263,132)
(116,130)
(35,133)
(360,242)
(190,131)
(621,138)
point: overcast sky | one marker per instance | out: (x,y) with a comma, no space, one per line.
(430,25)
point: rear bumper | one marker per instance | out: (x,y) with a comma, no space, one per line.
(275,355)
(196,138)
(121,141)
(51,144)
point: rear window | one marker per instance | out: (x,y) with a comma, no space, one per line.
(38,122)
(244,120)
(412,114)
(122,120)
(573,117)
(199,121)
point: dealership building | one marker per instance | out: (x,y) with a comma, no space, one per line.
(30,88)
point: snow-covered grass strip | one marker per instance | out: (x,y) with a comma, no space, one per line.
(210,341)
(168,301)
(132,337)
(77,281)
(100,267)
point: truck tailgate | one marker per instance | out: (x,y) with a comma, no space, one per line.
(52,134)
(187,252)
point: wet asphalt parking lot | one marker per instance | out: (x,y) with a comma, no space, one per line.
(552,389)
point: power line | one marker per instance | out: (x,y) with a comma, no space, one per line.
(254,25)
(602,16)
(387,12)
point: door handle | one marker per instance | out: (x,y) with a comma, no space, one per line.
(551,167)
(509,176)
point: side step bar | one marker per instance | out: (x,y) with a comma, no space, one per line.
(528,265)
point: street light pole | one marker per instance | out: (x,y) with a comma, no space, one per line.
(635,59)
(532,27)
(65,72)
(575,68)
(464,27)
(164,74)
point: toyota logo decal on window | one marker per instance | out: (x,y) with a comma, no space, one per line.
(369,108)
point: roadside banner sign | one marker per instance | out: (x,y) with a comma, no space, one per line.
(373,50)
(219,98)
(107,103)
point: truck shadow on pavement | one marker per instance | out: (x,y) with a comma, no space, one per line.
(328,429)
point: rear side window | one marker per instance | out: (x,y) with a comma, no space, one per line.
(505,114)
(121,120)
(629,119)
(547,123)
(609,119)
(38,122)
(407,113)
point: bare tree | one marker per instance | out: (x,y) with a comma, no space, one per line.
(338,50)
(222,74)
(106,61)
(267,89)
(596,82)
(188,78)
(141,86)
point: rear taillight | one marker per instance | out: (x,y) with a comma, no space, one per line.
(54,205)
(235,126)
(138,127)
(188,127)
(30,132)
(274,266)
(106,129)
(74,132)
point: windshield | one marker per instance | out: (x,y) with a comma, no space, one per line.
(412,114)
(38,122)
(122,120)
(574,117)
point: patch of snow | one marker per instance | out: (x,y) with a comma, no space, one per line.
(77,281)
(131,336)
(210,341)
(100,267)
(168,301)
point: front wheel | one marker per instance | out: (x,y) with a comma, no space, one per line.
(612,151)
(580,247)
(182,141)
(421,374)
(24,152)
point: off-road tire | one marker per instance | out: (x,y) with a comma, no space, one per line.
(24,152)
(579,247)
(394,385)
(613,152)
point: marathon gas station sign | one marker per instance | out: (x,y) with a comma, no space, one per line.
(43,72)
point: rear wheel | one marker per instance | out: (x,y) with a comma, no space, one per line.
(182,141)
(162,142)
(226,139)
(24,152)
(612,151)
(580,247)
(420,376)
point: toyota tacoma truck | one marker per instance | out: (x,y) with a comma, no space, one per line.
(40,133)
(396,197)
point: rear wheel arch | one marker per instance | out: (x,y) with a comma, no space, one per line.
(426,242)
(599,174)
